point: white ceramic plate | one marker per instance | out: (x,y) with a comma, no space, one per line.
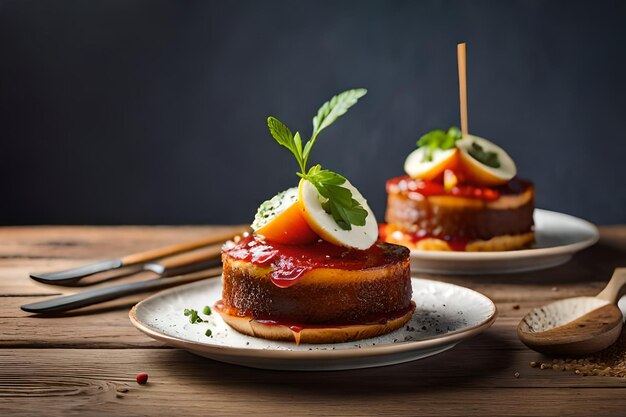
(445,315)
(557,237)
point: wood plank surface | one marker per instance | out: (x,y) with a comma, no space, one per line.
(84,381)
(83,363)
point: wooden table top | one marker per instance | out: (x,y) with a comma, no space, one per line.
(84,363)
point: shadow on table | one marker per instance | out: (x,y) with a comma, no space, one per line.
(595,264)
(473,360)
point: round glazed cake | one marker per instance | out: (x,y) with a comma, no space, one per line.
(423,215)
(316,293)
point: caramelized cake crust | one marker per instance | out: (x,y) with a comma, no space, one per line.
(421,215)
(315,288)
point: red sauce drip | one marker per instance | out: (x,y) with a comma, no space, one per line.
(456,243)
(290,262)
(418,188)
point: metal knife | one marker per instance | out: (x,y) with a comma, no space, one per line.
(100,295)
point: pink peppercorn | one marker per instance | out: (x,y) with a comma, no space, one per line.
(142,378)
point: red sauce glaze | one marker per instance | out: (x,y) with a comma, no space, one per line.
(290,262)
(456,243)
(406,184)
(298,327)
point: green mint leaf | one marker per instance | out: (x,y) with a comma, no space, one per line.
(341,195)
(336,107)
(432,138)
(438,139)
(330,111)
(339,203)
(307,151)
(455,133)
(357,214)
(452,135)
(326,176)
(338,215)
(297,140)
(282,134)
(430,141)
(488,158)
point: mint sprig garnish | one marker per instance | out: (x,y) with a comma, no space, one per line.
(339,203)
(346,211)
(331,111)
(285,138)
(438,139)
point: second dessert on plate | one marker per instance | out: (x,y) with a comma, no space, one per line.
(460,194)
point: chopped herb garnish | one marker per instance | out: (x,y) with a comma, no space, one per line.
(344,209)
(193,316)
(208,333)
(268,209)
(488,158)
(206,311)
(438,139)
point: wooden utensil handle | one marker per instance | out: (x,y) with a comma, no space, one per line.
(615,288)
(141,257)
(200,255)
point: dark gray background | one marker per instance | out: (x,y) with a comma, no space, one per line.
(154,112)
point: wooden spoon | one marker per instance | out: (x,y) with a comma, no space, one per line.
(576,326)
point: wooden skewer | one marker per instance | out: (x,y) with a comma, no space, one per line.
(149,255)
(460,49)
(187,258)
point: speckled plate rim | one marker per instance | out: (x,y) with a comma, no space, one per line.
(567,249)
(450,338)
